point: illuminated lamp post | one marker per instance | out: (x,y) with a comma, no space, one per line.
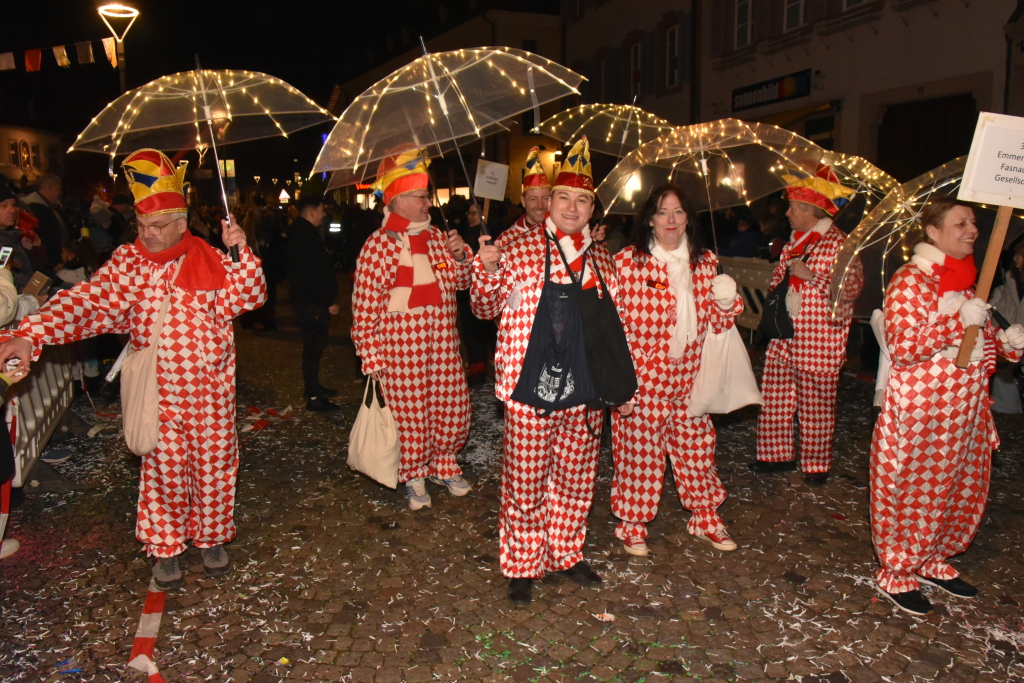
(119,12)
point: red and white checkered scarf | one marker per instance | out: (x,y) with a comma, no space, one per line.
(415,285)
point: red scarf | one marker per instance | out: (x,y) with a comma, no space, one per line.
(422,293)
(800,249)
(956,275)
(202,269)
(576,266)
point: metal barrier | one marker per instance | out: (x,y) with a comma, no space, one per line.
(752,276)
(37,404)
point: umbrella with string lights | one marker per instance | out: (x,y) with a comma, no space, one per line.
(879,241)
(614,129)
(439,99)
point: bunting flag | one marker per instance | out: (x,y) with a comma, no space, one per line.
(61,55)
(7,61)
(110,47)
(84,52)
(33,60)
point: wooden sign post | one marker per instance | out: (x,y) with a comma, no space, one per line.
(994,175)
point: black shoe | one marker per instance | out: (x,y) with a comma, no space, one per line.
(582,575)
(762,467)
(324,391)
(320,405)
(520,591)
(957,586)
(911,602)
(816,478)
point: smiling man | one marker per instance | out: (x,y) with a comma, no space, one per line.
(550,461)
(536,198)
(187,483)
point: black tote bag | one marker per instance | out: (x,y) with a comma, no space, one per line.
(775,321)
(608,355)
(555,373)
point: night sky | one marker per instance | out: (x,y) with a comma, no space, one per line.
(311,45)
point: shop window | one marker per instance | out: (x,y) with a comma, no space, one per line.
(12,152)
(25,157)
(530,45)
(672,57)
(821,132)
(793,16)
(635,66)
(742,23)
(36,161)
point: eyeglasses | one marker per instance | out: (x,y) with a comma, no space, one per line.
(423,198)
(155,229)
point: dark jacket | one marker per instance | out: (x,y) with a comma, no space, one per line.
(52,228)
(310,267)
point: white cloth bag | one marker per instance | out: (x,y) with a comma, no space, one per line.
(140,386)
(725,380)
(373,445)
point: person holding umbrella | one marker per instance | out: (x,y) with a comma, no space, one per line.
(187,484)
(670,297)
(931,451)
(404,313)
(550,458)
(801,374)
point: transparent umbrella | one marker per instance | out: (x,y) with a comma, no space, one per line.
(879,243)
(614,129)
(168,113)
(438,98)
(718,164)
(871,183)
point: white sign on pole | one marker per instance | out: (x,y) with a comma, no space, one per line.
(491,178)
(995,166)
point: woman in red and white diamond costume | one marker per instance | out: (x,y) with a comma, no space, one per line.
(187,485)
(932,446)
(670,296)
(550,461)
(801,375)
(404,314)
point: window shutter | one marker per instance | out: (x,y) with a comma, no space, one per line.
(649,64)
(685,41)
(616,75)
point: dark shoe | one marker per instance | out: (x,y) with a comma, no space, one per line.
(762,467)
(320,405)
(167,574)
(816,478)
(330,393)
(957,587)
(475,380)
(911,602)
(520,591)
(582,575)
(215,561)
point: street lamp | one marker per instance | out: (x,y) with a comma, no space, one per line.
(116,11)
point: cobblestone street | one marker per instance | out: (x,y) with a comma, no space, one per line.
(336,580)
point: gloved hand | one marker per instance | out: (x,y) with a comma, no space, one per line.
(723,290)
(1013,337)
(974,312)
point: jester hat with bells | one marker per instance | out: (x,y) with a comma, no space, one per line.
(535,176)
(576,174)
(158,187)
(401,173)
(821,190)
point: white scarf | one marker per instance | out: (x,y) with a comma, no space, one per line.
(570,251)
(680,280)
(422,269)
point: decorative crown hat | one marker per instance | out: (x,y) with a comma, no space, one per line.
(158,187)
(535,175)
(401,173)
(821,189)
(576,174)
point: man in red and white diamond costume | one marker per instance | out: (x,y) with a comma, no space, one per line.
(404,328)
(536,197)
(550,461)
(187,484)
(931,451)
(801,375)
(670,298)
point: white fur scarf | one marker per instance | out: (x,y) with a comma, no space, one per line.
(680,280)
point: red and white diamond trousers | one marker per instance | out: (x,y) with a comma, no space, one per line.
(548,474)
(811,398)
(425,388)
(643,443)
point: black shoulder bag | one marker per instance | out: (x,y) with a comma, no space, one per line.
(775,320)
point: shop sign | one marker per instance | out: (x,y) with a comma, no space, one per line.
(781,89)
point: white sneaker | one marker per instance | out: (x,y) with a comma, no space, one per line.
(457,486)
(635,545)
(9,547)
(416,492)
(719,540)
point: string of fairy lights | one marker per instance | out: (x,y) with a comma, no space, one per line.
(611,124)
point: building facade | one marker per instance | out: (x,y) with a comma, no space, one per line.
(898,82)
(29,153)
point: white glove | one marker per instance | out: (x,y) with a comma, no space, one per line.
(1013,337)
(723,290)
(974,312)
